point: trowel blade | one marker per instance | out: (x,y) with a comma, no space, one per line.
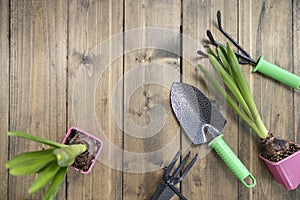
(195,113)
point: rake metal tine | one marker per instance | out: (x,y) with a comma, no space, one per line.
(211,38)
(229,36)
(187,169)
(243,62)
(179,168)
(170,167)
(201,53)
(244,57)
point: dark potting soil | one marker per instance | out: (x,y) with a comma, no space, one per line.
(275,149)
(84,160)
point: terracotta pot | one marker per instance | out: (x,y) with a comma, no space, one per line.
(286,171)
(97,146)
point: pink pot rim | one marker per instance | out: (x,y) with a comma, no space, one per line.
(281,161)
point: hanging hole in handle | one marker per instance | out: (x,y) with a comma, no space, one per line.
(249,181)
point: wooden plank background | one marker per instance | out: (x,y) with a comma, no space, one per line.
(44,44)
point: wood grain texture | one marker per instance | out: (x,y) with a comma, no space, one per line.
(37,79)
(143,95)
(266,29)
(51,51)
(210,177)
(4,94)
(91,23)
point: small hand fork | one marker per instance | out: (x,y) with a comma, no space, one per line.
(168,190)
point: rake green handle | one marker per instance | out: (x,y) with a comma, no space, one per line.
(277,73)
(232,161)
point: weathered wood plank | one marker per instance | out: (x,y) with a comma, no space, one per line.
(149,124)
(4,93)
(37,79)
(92,23)
(210,178)
(248,142)
(266,28)
(296,68)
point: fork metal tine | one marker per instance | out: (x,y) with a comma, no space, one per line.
(168,190)
(171,166)
(179,168)
(187,169)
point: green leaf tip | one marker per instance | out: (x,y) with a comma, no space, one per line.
(31,166)
(55,184)
(44,177)
(28,157)
(35,138)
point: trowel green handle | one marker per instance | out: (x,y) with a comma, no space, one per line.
(277,73)
(232,161)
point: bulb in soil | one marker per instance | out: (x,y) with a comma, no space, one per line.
(277,149)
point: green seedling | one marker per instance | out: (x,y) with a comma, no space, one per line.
(225,62)
(51,164)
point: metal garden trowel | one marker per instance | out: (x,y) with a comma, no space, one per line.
(202,123)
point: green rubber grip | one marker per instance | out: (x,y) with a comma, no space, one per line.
(277,73)
(232,161)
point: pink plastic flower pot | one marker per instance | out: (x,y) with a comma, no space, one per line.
(286,171)
(94,146)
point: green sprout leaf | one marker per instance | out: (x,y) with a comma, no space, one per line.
(55,184)
(32,166)
(226,64)
(228,98)
(27,156)
(36,139)
(230,83)
(44,177)
(223,58)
